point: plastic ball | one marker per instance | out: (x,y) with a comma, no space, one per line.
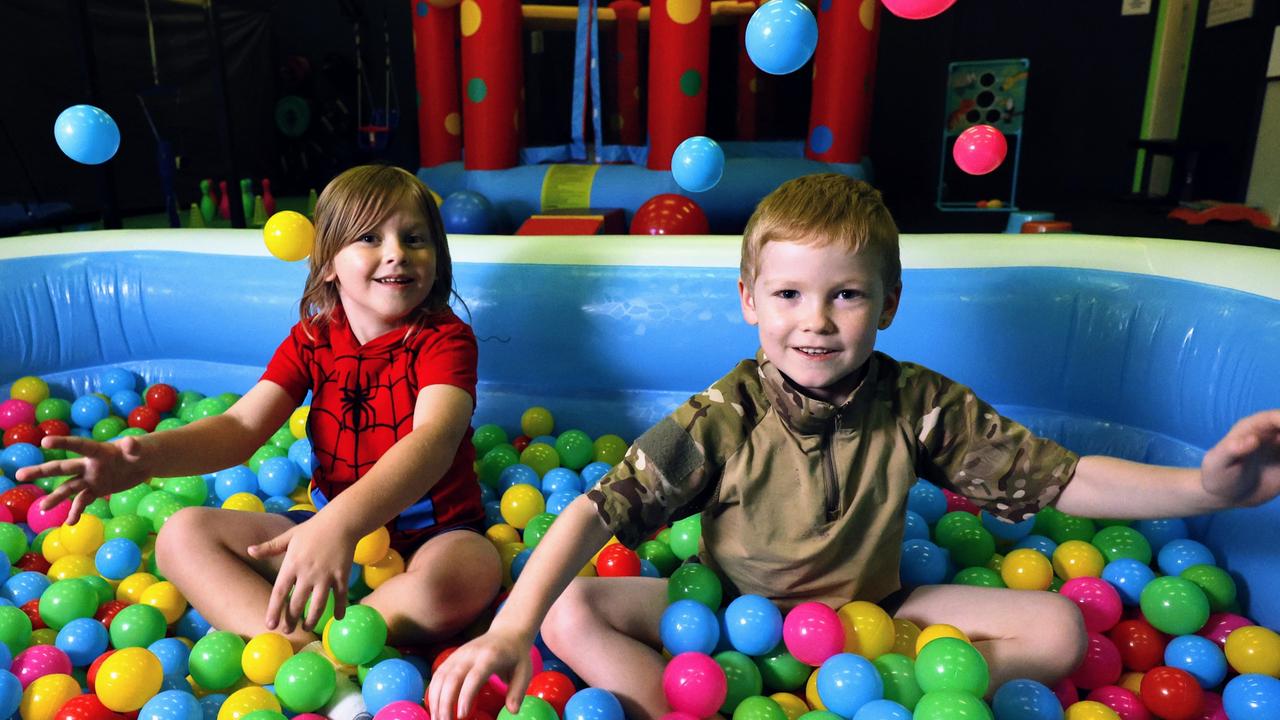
(172,705)
(373,547)
(1174,605)
(1077,558)
(951,664)
(698,162)
(1179,554)
(289,235)
(694,683)
(1200,657)
(1026,569)
(278,476)
(1252,697)
(38,661)
(263,655)
(1219,627)
(17,456)
(922,563)
(1098,601)
(468,212)
(82,640)
(917,9)
(215,660)
(67,600)
(1101,665)
(669,214)
(1141,646)
(1128,576)
(617,561)
(358,636)
(1025,699)
(520,504)
(86,134)
(593,704)
(305,682)
(693,581)
(137,626)
(389,681)
(45,696)
(753,624)
(247,700)
(1160,532)
(1171,693)
(128,678)
(781,36)
(1254,649)
(1119,541)
(689,627)
(980,149)
(575,449)
(846,682)
(1218,586)
(686,535)
(16,411)
(812,633)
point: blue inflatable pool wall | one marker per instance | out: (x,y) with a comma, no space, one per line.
(1144,349)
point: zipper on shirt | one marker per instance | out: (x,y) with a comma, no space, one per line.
(829,469)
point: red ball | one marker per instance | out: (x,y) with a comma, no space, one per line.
(618,561)
(85,707)
(32,609)
(669,214)
(54,428)
(556,688)
(23,433)
(34,562)
(161,397)
(92,675)
(144,417)
(521,442)
(1141,646)
(960,503)
(107,611)
(980,149)
(19,499)
(488,701)
(444,655)
(1171,693)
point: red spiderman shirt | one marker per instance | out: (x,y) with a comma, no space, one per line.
(363,398)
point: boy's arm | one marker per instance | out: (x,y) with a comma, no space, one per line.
(576,535)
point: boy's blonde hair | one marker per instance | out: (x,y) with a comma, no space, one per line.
(820,210)
(354,203)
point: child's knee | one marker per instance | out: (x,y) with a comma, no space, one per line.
(180,532)
(566,617)
(1067,639)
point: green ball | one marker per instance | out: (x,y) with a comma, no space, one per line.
(1217,585)
(305,682)
(127,526)
(325,616)
(944,532)
(951,705)
(263,714)
(898,672)
(15,629)
(1071,527)
(494,462)
(1174,606)
(820,715)
(53,409)
(541,457)
(191,490)
(208,407)
(215,660)
(108,427)
(1046,521)
(658,553)
(537,528)
(758,707)
(694,581)
(575,449)
(979,577)
(187,400)
(101,588)
(283,438)
(13,542)
(386,653)
(136,626)
(1119,541)
(158,507)
(53,454)
(264,452)
(229,398)
(487,437)
(531,708)
(742,676)
(99,509)
(126,502)
(37,542)
(610,449)
(358,636)
(952,664)
(685,535)
(67,600)
(169,424)
(131,432)
(48,484)
(780,671)
(972,546)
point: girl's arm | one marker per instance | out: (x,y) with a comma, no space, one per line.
(203,446)
(318,552)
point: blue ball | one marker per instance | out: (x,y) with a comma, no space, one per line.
(1181,553)
(117,558)
(927,499)
(278,504)
(172,705)
(468,212)
(846,682)
(560,478)
(559,501)
(922,563)
(390,681)
(83,640)
(592,473)
(124,401)
(493,513)
(1160,532)
(1128,577)
(210,705)
(916,528)
(697,164)
(753,624)
(519,561)
(517,474)
(192,625)
(173,655)
(1252,697)
(87,410)
(689,626)
(301,455)
(278,476)
(882,710)
(593,704)
(6,484)
(1008,532)
(113,380)
(10,694)
(556,664)
(86,134)
(1026,700)
(781,36)
(24,587)
(19,455)
(1200,657)
(1039,543)
(648,569)
(235,479)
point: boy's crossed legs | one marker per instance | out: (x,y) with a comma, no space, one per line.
(607,630)
(447,582)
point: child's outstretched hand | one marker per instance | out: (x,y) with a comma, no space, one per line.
(317,559)
(1243,469)
(461,676)
(104,468)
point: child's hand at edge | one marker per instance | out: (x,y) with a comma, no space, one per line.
(104,468)
(317,559)
(461,676)
(1243,469)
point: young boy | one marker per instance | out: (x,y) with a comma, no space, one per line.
(800,462)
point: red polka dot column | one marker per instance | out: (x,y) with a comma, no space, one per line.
(679,53)
(843,70)
(628,29)
(435,50)
(491,83)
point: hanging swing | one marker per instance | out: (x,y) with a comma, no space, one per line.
(373,131)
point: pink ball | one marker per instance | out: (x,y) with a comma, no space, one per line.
(917,9)
(1098,602)
(694,683)
(40,520)
(1066,692)
(15,411)
(674,715)
(980,149)
(813,633)
(38,661)
(309,716)
(5,514)
(535,659)
(1125,702)
(959,503)
(1101,665)
(1211,708)
(402,710)
(1220,625)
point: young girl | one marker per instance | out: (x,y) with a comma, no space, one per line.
(393,372)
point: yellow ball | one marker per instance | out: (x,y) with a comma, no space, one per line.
(1026,569)
(373,547)
(303,506)
(46,695)
(130,589)
(1132,681)
(868,629)
(52,548)
(1254,649)
(996,562)
(165,597)
(29,388)
(289,235)
(72,566)
(537,421)
(501,533)
(520,503)
(44,636)
(391,565)
(811,692)
(246,700)
(941,630)
(905,634)
(83,538)
(1077,558)
(1090,710)
(245,502)
(128,679)
(596,558)
(298,422)
(263,656)
(792,705)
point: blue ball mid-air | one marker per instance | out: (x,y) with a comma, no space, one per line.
(87,134)
(781,36)
(697,164)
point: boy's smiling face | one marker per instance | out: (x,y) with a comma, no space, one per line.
(818,308)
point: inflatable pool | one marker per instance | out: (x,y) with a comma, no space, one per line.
(1145,349)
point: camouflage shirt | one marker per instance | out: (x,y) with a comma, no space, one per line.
(803,500)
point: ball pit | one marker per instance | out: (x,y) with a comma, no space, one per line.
(1093,341)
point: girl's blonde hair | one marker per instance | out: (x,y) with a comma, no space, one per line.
(354,203)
